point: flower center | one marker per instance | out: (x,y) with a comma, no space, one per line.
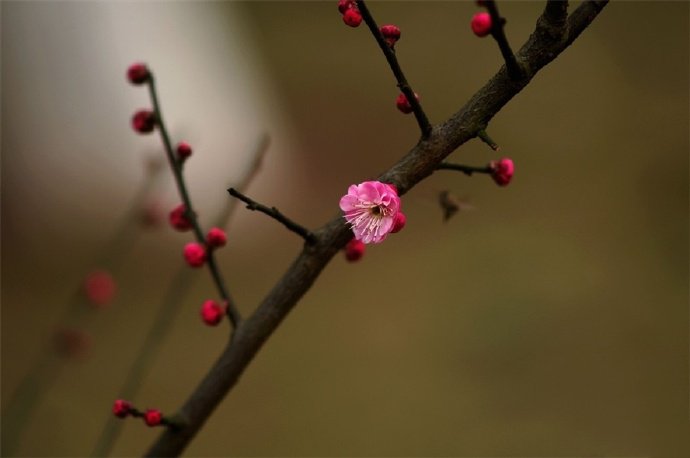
(376,210)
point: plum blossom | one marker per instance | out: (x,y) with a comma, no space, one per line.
(371,209)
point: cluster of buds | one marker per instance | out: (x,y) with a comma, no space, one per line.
(144,120)
(152,417)
(350,12)
(196,253)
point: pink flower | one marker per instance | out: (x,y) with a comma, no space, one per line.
(371,208)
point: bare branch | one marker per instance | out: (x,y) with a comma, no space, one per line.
(466,169)
(274,213)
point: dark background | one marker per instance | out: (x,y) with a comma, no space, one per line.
(550,320)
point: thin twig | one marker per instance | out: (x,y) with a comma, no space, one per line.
(274,213)
(417,164)
(497,23)
(233,312)
(166,314)
(405,88)
(466,169)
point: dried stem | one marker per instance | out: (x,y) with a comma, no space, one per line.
(466,169)
(417,164)
(497,24)
(404,86)
(233,312)
(273,212)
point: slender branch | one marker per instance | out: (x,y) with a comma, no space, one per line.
(233,312)
(498,23)
(273,212)
(405,88)
(417,164)
(466,169)
(165,317)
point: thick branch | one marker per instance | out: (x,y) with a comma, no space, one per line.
(419,163)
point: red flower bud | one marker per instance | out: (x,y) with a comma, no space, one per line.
(144,121)
(354,250)
(153,417)
(184,150)
(352,17)
(502,171)
(178,218)
(121,408)
(399,222)
(212,313)
(481,24)
(99,287)
(344,5)
(216,237)
(194,254)
(403,104)
(391,33)
(138,73)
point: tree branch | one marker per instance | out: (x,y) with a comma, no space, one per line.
(498,32)
(389,53)
(419,163)
(274,213)
(466,169)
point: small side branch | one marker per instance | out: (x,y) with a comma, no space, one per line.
(483,136)
(389,53)
(514,70)
(273,212)
(175,165)
(466,169)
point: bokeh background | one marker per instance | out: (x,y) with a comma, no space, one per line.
(549,320)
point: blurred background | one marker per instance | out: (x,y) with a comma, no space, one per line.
(549,320)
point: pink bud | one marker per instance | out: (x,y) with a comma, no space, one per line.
(121,408)
(153,417)
(178,218)
(216,237)
(344,5)
(99,287)
(195,254)
(402,103)
(152,215)
(184,150)
(391,33)
(138,73)
(481,24)
(352,17)
(502,171)
(144,121)
(399,222)
(354,250)
(212,313)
